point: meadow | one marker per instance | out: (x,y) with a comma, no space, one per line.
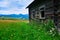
(23,30)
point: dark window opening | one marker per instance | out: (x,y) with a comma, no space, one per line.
(42,13)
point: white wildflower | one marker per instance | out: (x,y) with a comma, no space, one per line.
(50,30)
(53,29)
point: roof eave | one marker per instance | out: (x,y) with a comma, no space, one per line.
(30,4)
(35,2)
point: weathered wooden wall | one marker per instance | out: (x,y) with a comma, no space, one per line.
(35,12)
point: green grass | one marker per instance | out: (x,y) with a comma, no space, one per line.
(26,31)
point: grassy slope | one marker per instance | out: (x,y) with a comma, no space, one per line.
(23,31)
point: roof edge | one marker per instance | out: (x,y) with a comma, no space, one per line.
(30,4)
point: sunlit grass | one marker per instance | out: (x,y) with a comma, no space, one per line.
(22,30)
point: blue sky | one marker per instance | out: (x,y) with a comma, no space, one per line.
(14,6)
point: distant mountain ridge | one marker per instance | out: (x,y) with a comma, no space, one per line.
(20,16)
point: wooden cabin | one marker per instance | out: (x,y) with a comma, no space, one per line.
(45,9)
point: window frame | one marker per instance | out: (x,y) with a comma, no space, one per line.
(42,9)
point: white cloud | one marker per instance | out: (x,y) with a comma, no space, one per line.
(14,6)
(16,11)
(3,4)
